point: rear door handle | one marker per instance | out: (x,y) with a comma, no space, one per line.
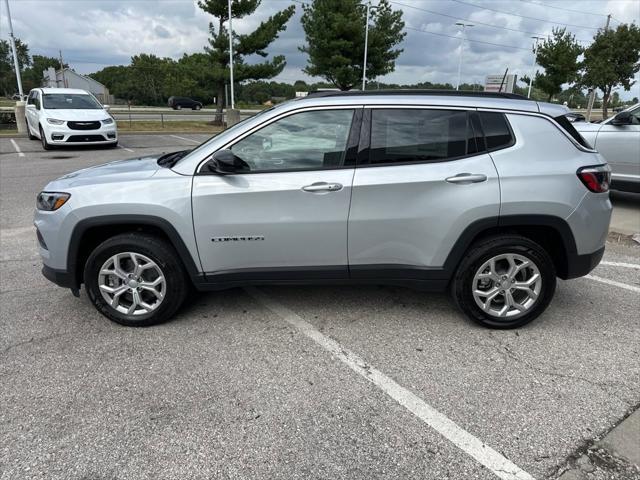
(466,178)
(322,187)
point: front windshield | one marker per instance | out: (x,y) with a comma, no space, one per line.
(70,101)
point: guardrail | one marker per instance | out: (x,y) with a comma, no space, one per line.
(7,116)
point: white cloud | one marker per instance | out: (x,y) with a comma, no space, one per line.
(97,33)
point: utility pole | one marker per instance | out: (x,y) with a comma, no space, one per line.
(464,26)
(366,45)
(592,95)
(15,51)
(64,78)
(233,106)
(533,65)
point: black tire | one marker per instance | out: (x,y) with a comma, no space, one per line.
(46,145)
(178,107)
(31,135)
(160,252)
(482,251)
(197,107)
(113,145)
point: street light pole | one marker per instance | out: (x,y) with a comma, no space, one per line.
(533,65)
(233,106)
(15,51)
(366,44)
(464,26)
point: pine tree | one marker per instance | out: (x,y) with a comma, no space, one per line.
(335,34)
(243,45)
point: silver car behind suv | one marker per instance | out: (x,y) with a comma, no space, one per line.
(490,196)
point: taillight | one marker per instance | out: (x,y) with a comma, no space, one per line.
(596,179)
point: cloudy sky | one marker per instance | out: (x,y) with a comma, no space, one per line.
(93,34)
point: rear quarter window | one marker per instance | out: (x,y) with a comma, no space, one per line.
(571,130)
(497,132)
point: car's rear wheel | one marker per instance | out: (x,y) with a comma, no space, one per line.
(43,138)
(31,135)
(504,282)
(197,107)
(178,107)
(136,280)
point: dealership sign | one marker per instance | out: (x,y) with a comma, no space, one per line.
(493,82)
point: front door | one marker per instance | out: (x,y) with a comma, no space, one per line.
(286,217)
(620,146)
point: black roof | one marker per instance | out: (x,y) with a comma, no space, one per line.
(427,92)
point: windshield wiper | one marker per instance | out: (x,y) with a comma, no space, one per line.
(168,160)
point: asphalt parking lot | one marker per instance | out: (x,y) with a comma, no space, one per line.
(300,382)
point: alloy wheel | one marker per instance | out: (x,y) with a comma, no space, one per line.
(507,286)
(132,283)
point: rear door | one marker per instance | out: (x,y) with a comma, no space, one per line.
(285,218)
(425,178)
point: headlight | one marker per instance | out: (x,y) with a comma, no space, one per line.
(50,201)
(107,121)
(55,121)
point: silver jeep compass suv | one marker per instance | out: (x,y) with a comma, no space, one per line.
(490,196)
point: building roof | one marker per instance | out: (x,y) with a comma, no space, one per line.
(64,90)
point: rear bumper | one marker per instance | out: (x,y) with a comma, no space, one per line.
(581,265)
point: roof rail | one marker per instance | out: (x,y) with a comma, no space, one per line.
(428,92)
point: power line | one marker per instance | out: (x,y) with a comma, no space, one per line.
(474,21)
(468,39)
(524,16)
(565,9)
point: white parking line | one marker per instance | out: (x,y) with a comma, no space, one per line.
(621,264)
(187,139)
(473,446)
(125,148)
(614,283)
(15,145)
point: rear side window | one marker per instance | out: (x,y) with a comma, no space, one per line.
(413,135)
(570,129)
(496,130)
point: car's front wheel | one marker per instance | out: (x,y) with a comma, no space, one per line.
(504,282)
(136,279)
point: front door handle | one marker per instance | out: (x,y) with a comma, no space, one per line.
(322,187)
(466,178)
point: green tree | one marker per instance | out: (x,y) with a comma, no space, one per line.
(254,43)
(558,56)
(8,82)
(32,77)
(612,60)
(335,34)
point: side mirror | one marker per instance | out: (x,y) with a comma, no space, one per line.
(622,118)
(106,107)
(224,162)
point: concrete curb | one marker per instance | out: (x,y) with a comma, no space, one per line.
(615,456)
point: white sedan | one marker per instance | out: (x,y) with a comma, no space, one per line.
(68,116)
(618,140)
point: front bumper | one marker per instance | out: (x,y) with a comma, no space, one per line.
(63,135)
(61,278)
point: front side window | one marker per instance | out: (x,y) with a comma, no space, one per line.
(73,101)
(413,135)
(311,140)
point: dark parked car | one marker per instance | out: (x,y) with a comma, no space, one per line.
(178,103)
